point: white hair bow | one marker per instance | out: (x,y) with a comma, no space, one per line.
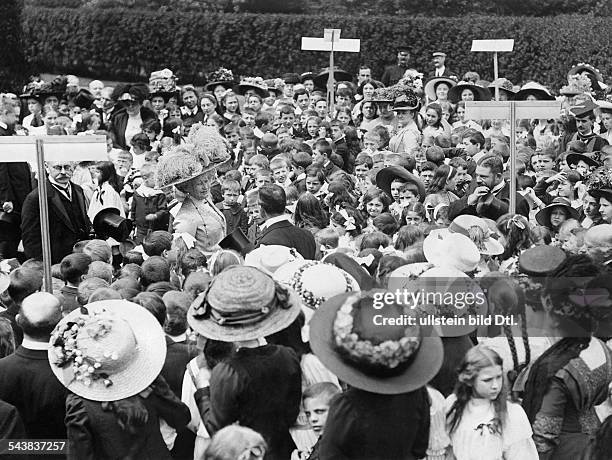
(349,223)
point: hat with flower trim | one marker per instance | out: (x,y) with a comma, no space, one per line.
(370,348)
(315,281)
(107,350)
(220,77)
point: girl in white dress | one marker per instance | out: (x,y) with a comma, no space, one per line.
(482,424)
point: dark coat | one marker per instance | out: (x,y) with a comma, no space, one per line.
(144,205)
(259,388)
(64,230)
(95,434)
(330,168)
(177,357)
(27,382)
(446,73)
(15,184)
(11,425)
(368,426)
(235,217)
(393,74)
(284,233)
(494,208)
(118,123)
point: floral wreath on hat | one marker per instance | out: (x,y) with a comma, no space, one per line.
(308,297)
(221,74)
(599,179)
(85,368)
(389,354)
(255,81)
(578,83)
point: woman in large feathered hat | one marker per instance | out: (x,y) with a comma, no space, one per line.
(190,167)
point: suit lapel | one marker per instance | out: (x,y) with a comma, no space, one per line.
(56,202)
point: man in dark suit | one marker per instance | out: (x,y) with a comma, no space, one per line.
(15,184)
(491,196)
(68,221)
(26,379)
(277,229)
(394,73)
(440,69)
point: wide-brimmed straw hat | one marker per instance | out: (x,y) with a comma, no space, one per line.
(383,359)
(270,258)
(543,215)
(220,77)
(387,175)
(533,88)
(445,249)
(432,85)
(315,281)
(107,350)
(243,303)
(256,84)
(480,93)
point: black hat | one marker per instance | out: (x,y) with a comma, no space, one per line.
(237,241)
(220,77)
(339,75)
(480,93)
(84,99)
(574,158)
(108,223)
(385,176)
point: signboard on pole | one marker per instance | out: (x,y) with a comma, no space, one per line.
(331,42)
(513,111)
(493,46)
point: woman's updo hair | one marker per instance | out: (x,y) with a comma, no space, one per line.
(222,259)
(232,441)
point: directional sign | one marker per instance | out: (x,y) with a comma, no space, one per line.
(331,42)
(493,46)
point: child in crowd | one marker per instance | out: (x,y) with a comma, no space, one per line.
(316,400)
(140,145)
(148,209)
(235,214)
(280,167)
(482,423)
(74,268)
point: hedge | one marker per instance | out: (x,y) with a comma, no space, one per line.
(354,7)
(13,66)
(125,44)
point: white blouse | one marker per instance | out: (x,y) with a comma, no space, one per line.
(479,437)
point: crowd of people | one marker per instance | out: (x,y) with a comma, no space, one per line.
(217,282)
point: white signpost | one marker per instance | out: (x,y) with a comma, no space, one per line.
(35,150)
(331,42)
(513,111)
(493,46)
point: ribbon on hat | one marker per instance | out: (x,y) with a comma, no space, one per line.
(5,267)
(517,221)
(177,130)
(188,239)
(367,261)
(349,223)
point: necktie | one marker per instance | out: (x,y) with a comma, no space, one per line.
(65,191)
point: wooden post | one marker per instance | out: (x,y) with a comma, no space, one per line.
(513,111)
(43,206)
(493,46)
